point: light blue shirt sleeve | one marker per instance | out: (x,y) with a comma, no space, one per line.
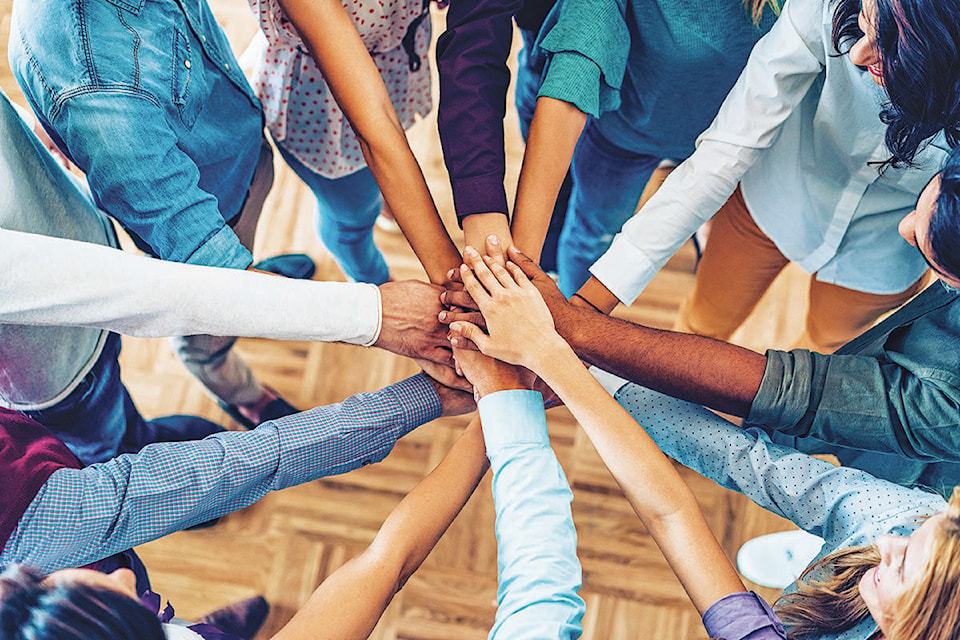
(844,506)
(539,572)
(80,516)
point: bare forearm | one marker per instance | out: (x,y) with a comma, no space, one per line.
(405,191)
(357,86)
(701,370)
(348,604)
(554,132)
(657,493)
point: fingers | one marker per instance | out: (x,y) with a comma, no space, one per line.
(454,276)
(494,249)
(519,276)
(502,275)
(481,272)
(528,266)
(445,375)
(473,317)
(461,299)
(471,332)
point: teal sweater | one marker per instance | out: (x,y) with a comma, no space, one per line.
(653,72)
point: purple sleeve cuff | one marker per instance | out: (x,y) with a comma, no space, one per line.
(743,616)
(480,194)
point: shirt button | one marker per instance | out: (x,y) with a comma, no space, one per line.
(227,67)
(203,38)
(186,63)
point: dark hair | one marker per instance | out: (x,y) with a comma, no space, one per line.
(33,610)
(919,45)
(944,230)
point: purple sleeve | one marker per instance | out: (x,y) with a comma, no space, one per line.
(743,616)
(472,61)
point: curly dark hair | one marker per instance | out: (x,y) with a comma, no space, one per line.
(944,231)
(919,47)
(31,609)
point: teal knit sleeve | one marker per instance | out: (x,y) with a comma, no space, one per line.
(586,43)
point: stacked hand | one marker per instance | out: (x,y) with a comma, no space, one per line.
(503,315)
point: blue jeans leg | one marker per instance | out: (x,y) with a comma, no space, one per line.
(607,184)
(348,208)
(99,419)
(529,72)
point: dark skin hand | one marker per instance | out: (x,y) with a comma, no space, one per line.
(694,368)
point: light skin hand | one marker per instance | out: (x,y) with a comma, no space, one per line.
(519,323)
(409,326)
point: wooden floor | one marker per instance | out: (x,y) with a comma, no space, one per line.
(285,545)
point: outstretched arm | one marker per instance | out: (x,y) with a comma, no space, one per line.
(358,87)
(349,603)
(554,132)
(521,331)
(701,370)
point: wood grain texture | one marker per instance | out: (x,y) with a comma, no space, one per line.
(286,544)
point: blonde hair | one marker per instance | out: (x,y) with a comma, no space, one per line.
(828,596)
(755,8)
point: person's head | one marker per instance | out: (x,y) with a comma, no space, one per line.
(933,226)
(73,604)
(912,49)
(909,585)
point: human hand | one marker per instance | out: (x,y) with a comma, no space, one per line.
(447,375)
(520,326)
(454,296)
(566,316)
(486,374)
(409,326)
(453,402)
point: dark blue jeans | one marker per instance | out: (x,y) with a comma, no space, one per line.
(99,419)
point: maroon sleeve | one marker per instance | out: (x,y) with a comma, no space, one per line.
(28,455)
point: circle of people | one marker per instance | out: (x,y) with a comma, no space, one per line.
(817,132)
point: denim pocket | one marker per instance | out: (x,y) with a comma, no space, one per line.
(187,75)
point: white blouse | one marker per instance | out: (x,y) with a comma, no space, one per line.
(800,132)
(301,112)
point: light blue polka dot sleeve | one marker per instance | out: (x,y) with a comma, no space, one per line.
(842,505)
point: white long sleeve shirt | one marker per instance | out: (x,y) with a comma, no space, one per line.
(800,133)
(52,283)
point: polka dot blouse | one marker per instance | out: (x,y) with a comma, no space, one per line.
(301,112)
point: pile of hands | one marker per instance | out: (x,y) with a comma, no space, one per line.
(490,327)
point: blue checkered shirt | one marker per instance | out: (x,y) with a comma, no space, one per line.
(80,516)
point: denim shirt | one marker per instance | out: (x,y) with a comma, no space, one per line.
(149,101)
(894,390)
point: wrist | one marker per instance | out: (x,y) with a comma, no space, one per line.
(552,357)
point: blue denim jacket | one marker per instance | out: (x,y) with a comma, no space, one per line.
(148,99)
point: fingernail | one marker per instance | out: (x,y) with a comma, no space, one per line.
(443,315)
(443,296)
(454,341)
(451,273)
(493,239)
(470,251)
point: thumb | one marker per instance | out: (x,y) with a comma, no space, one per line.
(473,333)
(528,266)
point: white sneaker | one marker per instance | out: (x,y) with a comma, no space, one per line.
(777,560)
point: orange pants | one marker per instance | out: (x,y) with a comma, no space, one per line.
(738,266)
